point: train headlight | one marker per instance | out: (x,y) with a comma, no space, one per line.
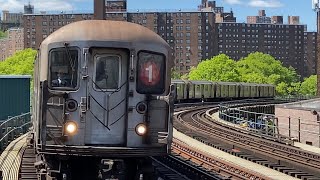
(141,129)
(70,128)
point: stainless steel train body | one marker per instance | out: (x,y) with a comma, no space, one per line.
(102,88)
(206,90)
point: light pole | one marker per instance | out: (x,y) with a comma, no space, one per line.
(316,8)
(314,112)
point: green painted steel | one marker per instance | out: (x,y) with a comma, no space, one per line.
(14,95)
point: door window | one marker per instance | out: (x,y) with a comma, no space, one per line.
(107,72)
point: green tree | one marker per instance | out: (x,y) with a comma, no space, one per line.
(218,68)
(309,86)
(175,74)
(3,34)
(21,63)
(263,68)
(282,89)
(255,68)
(294,88)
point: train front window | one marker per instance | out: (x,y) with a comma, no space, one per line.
(107,72)
(63,68)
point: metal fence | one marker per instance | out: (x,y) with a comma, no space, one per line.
(13,128)
(259,122)
(299,129)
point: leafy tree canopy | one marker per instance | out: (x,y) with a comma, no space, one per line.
(21,63)
(256,68)
(3,34)
(263,68)
(309,86)
(218,68)
(175,74)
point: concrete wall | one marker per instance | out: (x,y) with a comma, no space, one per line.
(309,128)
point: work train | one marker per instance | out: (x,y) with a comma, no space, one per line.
(103,101)
(191,91)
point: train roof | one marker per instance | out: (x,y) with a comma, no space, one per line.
(248,84)
(104,30)
(200,82)
(227,83)
(178,81)
(266,85)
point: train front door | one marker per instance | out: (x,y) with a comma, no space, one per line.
(107,93)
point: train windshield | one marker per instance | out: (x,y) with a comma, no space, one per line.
(63,68)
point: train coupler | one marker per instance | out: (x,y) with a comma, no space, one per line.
(112,169)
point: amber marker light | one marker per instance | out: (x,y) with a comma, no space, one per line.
(141,129)
(70,128)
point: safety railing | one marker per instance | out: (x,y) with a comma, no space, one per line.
(259,117)
(259,122)
(13,127)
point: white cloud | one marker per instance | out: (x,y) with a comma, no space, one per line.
(233,1)
(266,3)
(39,5)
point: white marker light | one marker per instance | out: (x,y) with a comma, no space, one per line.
(70,128)
(141,129)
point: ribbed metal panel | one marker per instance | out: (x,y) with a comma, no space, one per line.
(14,95)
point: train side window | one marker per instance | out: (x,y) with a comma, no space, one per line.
(107,72)
(63,69)
(151,73)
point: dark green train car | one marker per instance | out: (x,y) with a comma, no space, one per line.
(14,95)
(227,89)
(201,89)
(181,89)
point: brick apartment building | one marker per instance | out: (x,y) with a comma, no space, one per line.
(38,26)
(190,33)
(196,35)
(288,43)
(261,18)
(12,43)
(10,20)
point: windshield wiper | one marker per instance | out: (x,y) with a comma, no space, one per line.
(66,46)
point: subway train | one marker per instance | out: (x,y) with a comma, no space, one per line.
(103,101)
(193,91)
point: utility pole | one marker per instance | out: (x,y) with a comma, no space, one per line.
(99,8)
(316,8)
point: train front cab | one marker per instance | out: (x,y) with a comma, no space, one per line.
(111,102)
(106,96)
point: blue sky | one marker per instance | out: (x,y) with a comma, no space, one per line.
(241,8)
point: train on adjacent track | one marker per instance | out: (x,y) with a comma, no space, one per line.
(192,91)
(103,101)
